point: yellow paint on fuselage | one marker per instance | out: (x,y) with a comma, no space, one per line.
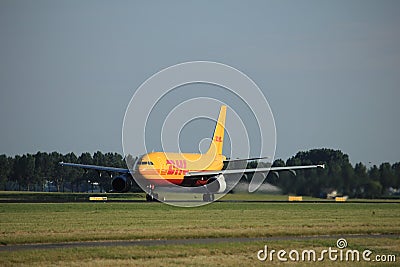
(172,167)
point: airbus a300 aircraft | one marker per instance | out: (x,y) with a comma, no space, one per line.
(159,169)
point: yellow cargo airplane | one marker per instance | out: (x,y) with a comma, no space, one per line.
(183,169)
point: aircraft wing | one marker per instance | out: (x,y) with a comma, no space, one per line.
(95,167)
(242,160)
(257,170)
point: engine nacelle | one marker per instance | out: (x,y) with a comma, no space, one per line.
(216,184)
(121,184)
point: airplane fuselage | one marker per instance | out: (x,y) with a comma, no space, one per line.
(162,169)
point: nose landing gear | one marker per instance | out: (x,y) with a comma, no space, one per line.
(151,196)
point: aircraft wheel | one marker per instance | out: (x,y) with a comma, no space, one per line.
(208,197)
(150,197)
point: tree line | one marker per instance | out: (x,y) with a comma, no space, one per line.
(41,172)
(339,175)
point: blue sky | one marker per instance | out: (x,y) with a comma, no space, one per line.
(329,69)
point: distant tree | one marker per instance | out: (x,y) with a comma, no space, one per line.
(57,172)
(116,160)
(347,174)
(284,180)
(361,179)
(16,172)
(374,174)
(99,159)
(89,175)
(396,172)
(279,163)
(373,189)
(5,170)
(24,171)
(85,158)
(387,177)
(71,176)
(43,168)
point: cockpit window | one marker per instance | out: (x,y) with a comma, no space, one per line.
(145,163)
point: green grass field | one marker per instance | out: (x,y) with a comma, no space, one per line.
(23,223)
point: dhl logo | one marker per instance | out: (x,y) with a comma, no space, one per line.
(180,164)
(175,167)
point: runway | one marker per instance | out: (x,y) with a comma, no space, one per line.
(322,201)
(189,241)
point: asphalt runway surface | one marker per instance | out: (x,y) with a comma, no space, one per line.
(226,201)
(189,241)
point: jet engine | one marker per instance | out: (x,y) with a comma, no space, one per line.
(216,184)
(122,183)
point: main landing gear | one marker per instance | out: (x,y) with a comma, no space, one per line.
(208,197)
(151,196)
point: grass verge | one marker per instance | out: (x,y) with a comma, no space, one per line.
(221,254)
(63,222)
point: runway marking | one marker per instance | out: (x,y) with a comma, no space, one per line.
(158,242)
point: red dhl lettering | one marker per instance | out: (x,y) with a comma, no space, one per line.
(179,163)
(176,167)
(172,171)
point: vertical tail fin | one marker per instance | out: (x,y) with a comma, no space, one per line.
(218,137)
